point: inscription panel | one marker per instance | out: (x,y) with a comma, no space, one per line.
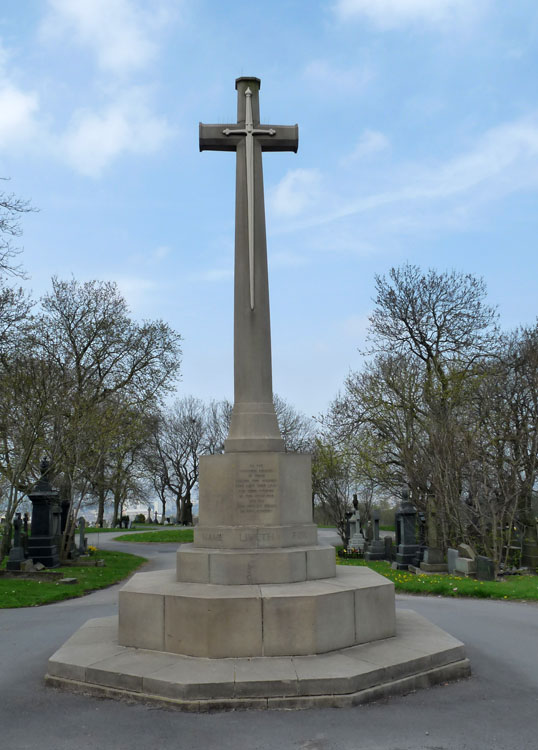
(256,490)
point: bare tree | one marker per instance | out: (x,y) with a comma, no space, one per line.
(11,208)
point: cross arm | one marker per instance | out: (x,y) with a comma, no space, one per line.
(212,138)
(285,138)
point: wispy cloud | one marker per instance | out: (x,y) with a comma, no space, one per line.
(120,33)
(93,139)
(388,14)
(370,142)
(503,160)
(296,192)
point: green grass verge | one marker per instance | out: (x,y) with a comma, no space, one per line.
(514,587)
(134,527)
(387,528)
(28,593)
(166,535)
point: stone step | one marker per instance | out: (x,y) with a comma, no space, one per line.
(419,655)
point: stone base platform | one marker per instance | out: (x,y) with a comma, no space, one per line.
(420,655)
(217,621)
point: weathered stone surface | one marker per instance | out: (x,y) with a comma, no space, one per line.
(420,655)
(465,550)
(307,617)
(465,566)
(451,558)
(255,500)
(250,566)
(433,556)
(485,568)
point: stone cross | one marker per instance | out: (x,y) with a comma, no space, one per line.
(253,425)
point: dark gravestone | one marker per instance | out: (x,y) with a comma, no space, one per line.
(389,548)
(420,529)
(376,548)
(82,541)
(406,542)
(16,554)
(485,568)
(46,521)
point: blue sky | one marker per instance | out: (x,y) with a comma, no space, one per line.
(418,142)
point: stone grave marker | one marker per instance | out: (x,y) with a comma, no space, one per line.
(451,558)
(82,541)
(16,553)
(485,568)
(376,548)
(46,521)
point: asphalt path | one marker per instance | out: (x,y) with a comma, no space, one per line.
(496,709)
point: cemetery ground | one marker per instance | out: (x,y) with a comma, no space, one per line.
(32,592)
(118,565)
(493,710)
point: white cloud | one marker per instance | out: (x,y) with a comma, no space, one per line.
(18,108)
(393,13)
(297,191)
(323,74)
(119,32)
(17,114)
(94,139)
(370,142)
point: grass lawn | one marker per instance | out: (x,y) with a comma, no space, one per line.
(107,530)
(166,535)
(514,587)
(27,593)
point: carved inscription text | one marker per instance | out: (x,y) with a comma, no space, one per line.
(256,489)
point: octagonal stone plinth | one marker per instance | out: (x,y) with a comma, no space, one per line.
(217,621)
(419,655)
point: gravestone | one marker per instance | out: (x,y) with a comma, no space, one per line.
(451,559)
(46,521)
(466,562)
(16,553)
(356,539)
(433,554)
(485,568)
(82,541)
(406,542)
(376,548)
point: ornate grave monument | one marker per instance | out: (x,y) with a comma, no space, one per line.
(256,613)
(46,521)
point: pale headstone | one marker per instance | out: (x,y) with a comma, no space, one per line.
(465,550)
(451,558)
